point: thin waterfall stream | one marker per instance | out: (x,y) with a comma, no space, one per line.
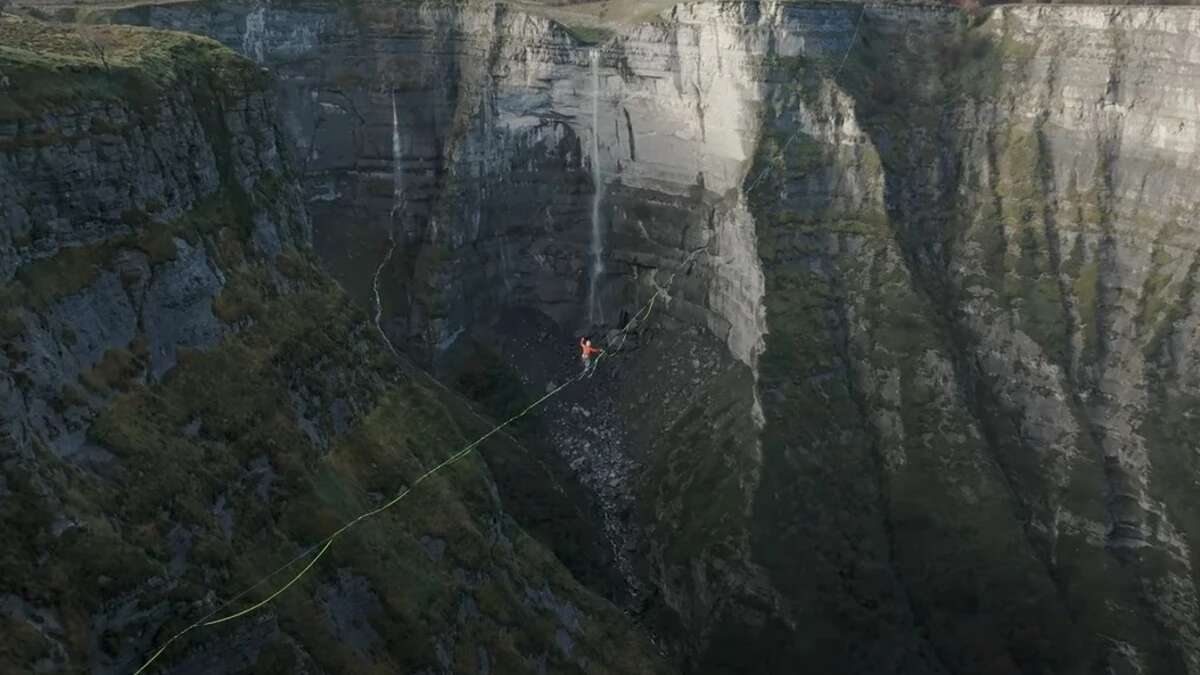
(595,310)
(397,206)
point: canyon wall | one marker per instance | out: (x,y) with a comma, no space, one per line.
(190,404)
(491,110)
(923,405)
(984,453)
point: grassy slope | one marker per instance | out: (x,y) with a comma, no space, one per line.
(49,65)
(237,399)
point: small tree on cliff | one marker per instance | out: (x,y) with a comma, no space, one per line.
(99,42)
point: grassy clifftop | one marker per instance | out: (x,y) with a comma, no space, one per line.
(45,65)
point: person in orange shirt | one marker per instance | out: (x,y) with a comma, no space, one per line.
(586,350)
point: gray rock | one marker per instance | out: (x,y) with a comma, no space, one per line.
(349,602)
(178,310)
(434,548)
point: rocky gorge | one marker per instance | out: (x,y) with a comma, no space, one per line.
(919,401)
(189,403)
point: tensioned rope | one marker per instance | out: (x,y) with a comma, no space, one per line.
(324,545)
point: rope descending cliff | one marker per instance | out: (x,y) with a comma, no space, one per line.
(315,552)
(322,546)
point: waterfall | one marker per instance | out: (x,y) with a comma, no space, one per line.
(595,312)
(397,207)
(256,31)
(397,166)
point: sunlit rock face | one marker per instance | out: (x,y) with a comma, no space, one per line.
(498,152)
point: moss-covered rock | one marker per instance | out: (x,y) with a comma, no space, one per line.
(49,65)
(194,403)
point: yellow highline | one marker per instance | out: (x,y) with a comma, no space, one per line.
(327,542)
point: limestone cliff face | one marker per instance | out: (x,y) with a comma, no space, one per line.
(481,117)
(995,337)
(924,406)
(94,194)
(189,403)
(387,101)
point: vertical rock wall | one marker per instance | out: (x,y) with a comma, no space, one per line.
(190,404)
(954,317)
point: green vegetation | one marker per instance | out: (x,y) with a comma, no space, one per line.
(50,65)
(1167,289)
(609,14)
(41,283)
(589,34)
(895,443)
(1085,288)
(843,330)
(239,397)
(247,453)
(975,60)
(116,370)
(886,454)
(481,375)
